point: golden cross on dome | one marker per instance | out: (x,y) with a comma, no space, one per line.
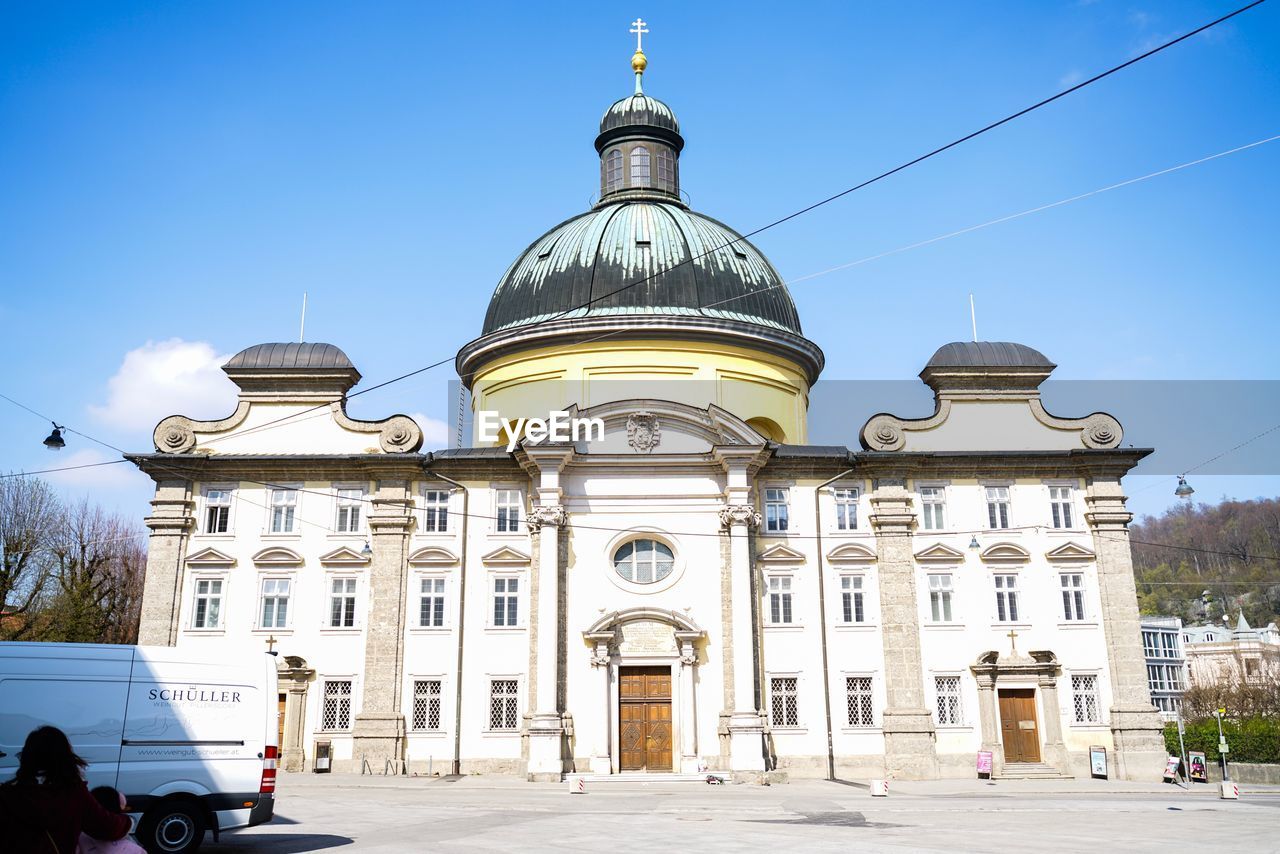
(638,27)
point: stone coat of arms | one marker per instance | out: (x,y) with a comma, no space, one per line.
(643,431)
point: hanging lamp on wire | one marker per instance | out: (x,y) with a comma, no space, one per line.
(1184,489)
(55,442)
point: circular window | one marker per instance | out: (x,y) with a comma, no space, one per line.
(643,561)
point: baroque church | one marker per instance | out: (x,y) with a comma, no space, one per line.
(698,590)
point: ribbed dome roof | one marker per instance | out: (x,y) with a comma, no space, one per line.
(988,354)
(289,356)
(593,257)
(639,109)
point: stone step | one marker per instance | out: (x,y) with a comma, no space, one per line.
(1031,771)
(645,777)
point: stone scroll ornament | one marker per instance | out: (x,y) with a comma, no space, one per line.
(643,431)
(740,514)
(174,435)
(400,434)
(553,515)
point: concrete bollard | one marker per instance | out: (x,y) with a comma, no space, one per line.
(577,786)
(879,788)
(1230,790)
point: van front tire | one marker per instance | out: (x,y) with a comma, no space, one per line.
(172,827)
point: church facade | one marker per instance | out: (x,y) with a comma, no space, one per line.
(696,590)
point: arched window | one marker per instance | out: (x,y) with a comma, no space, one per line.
(640,166)
(613,171)
(666,170)
(643,561)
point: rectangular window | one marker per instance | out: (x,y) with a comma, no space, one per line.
(858,699)
(846,509)
(506,602)
(503,701)
(1169,644)
(775,510)
(208,604)
(933,507)
(1084,699)
(780,599)
(275,603)
(1155,677)
(342,603)
(940,598)
(1060,506)
(217,511)
(1072,596)
(1007,598)
(1151,644)
(508,510)
(284,505)
(435,511)
(1173,675)
(784,701)
(851,599)
(349,501)
(997,507)
(947,691)
(426,704)
(431,603)
(336,711)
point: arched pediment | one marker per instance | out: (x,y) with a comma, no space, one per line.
(210,558)
(650,426)
(277,556)
(506,556)
(939,553)
(1070,551)
(851,553)
(344,556)
(433,556)
(780,553)
(1005,553)
(678,621)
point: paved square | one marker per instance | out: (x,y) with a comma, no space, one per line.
(318,813)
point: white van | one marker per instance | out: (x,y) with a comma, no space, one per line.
(189,739)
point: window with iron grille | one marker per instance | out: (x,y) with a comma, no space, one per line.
(435,511)
(217,511)
(1084,699)
(207,613)
(1072,596)
(342,603)
(933,507)
(859,700)
(349,501)
(503,700)
(775,510)
(431,603)
(1007,598)
(613,171)
(940,597)
(1060,506)
(851,599)
(426,704)
(947,691)
(506,602)
(640,166)
(780,599)
(784,701)
(508,510)
(846,509)
(275,603)
(336,711)
(997,507)
(284,505)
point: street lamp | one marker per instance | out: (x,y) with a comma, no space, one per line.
(55,442)
(1184,489)
(973,542)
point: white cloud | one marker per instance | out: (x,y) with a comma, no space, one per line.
(435,433)
(163,378)
(94,478)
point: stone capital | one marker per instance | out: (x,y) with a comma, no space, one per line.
(544,514)
(740,514)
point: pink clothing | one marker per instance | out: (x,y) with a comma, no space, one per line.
(89,845)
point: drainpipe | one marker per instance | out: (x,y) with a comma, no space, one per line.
(822,617)
(462,623)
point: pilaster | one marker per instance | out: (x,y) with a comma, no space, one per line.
(1135,725)
(170,522)
(909,737)
(295,677)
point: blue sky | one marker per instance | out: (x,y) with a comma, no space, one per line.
(176,175)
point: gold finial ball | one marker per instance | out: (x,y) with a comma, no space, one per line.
(639,63)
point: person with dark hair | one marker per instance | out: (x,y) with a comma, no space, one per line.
(47,805)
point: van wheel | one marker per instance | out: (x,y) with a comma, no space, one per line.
(175,827)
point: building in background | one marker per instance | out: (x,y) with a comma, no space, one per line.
(1218,654)
(1166,663)
(697,589)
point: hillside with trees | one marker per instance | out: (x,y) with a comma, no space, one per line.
(1228,549)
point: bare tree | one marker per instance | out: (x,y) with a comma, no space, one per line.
(29,514)
(97,577)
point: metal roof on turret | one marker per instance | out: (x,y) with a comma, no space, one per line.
(289,356)
(639,109)
(641,258)
(988,354)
